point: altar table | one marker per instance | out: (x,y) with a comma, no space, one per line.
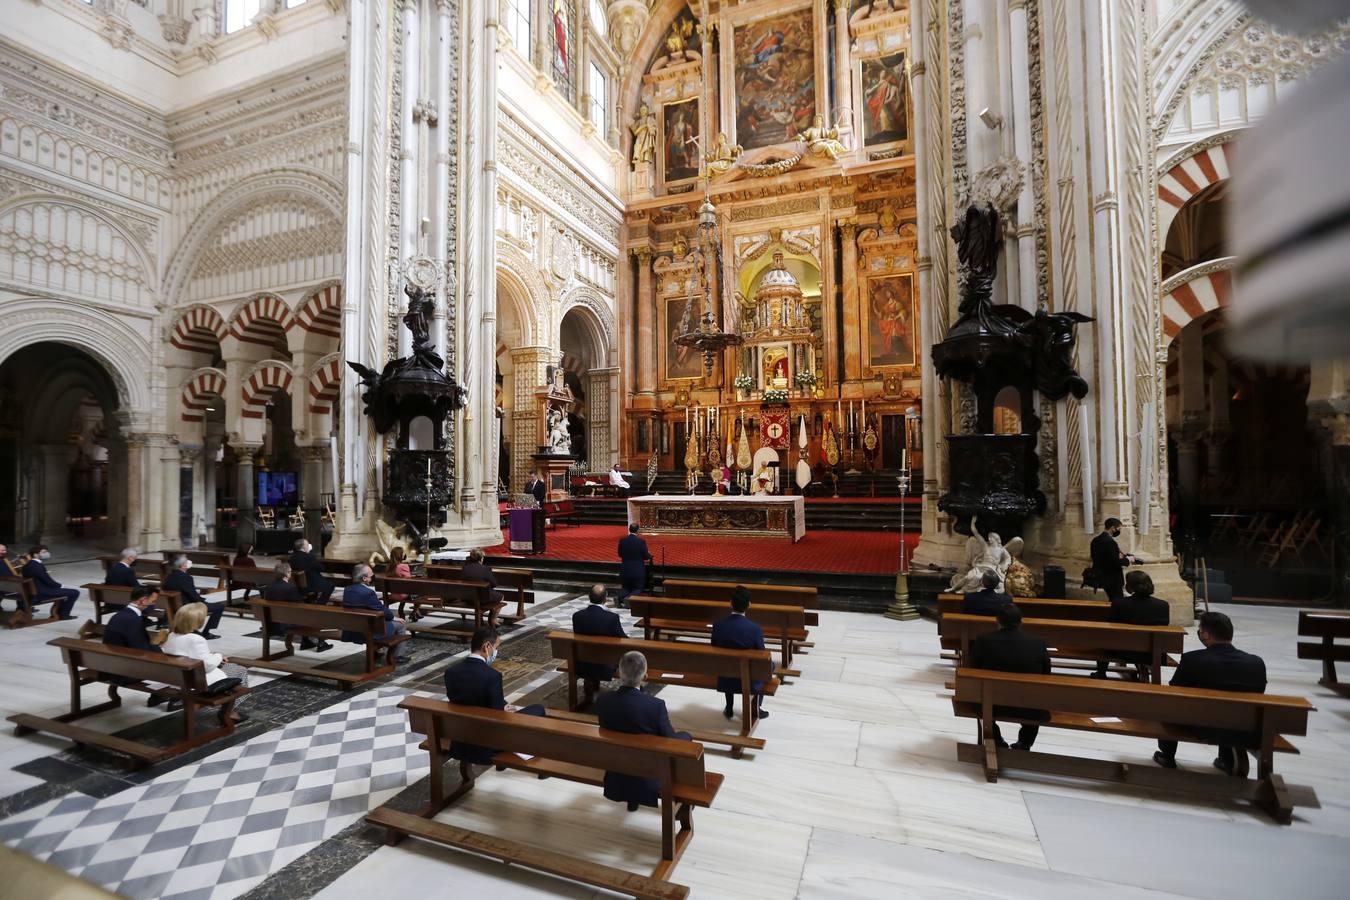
(754,516)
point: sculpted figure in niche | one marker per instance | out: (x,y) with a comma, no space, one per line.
(644,137)
(822,141)
(723,157)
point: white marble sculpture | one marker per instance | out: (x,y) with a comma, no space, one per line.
(982,555)
(559,438)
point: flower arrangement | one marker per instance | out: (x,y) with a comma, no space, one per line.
(744,382)
(776,395)
(805,379)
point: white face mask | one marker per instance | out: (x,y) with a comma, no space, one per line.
(492,656)
(45,555)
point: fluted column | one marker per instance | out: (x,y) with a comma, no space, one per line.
(208,468)
(1021,121)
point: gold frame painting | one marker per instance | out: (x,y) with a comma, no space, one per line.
(766,53)
(688,112)
(867,74)
(894,294)
(691,367)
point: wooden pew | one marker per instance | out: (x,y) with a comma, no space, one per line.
(205,564)
(111,597)
(90,661)
(691,665)
(1073,640)
(145,568)
(322,620)
(449,596)
(1328,626)
(237,577)
(1140,710)
(1039,608)
(24,592)
(772,594)
(557,749)
(508,579)
(784,624)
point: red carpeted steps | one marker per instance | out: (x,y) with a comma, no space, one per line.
(822,513)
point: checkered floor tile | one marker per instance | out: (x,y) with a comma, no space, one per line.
(216,828)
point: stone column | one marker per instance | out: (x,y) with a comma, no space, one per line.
(208,468)
(135,459)
(189,462)
(646,329)
(117,488)
(528,364)
(169,470)
(843,97)
(852,324)
(56,462)
(243,493)
(1021,121)
(601,390)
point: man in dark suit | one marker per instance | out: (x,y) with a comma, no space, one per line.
(1220,667)
(477,570)
(360,595)
(179,580)
(48,588)
(1010,649)
(633,559)
(736,632)
(986,602)
(600,622)
(473,682)
(1139,607)
(630,711)
(304,560)
(282,589)
(536,487)
(1108,561)
(122,573)
(126,628)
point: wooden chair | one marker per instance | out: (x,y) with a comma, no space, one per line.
(521,581)
(24,592)
(1328,626)
(267,516)
(1139,710)
(322,620)
(678,617)
(174,677)
(573,751)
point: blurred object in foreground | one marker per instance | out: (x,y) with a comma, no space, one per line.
(1298,15)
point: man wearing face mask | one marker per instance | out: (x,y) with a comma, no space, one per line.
(48,588)
(126,628)
(360,595)
(473,682)
(304,560)
(1109,562)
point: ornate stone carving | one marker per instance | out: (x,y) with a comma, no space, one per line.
(999,183)
(627,18)
(644,137)
(175,29)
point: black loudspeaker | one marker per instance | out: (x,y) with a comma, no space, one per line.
(1053,578)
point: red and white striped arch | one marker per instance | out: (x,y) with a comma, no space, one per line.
(198,329)
(262,319)
(202,387)
(1187,175)
(1186,299)
(325,384)
(265,379)
(321,310)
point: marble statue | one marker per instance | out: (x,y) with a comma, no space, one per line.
(644,137)
(723,156)
(982,555)
(559,440)
(822,141)
(1018,581)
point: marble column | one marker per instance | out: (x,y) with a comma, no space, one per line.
(848,231)
(170,463)
(843,97)
(208,507)
(1021,122)
(646,329)
(117,488)
(244,496)
(56,462)
(135,517)
(190,486)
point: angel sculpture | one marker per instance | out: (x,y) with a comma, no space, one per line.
(723,155)
(982,555)
(822,141)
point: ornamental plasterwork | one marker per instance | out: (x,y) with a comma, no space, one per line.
(1039,162)
(597,304)
(562,256)
(70,159)
(884,32)
(956,69)
(143,227)
(77,124)
(537,166)
(236,141)
(1261,54)
(785,207)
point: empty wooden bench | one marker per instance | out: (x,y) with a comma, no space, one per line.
(1073,640)
(1328,626)
(90,661)
(1040,608)
(509,580)
(322,620)
(568,750)
(465,597)
(1157,712)
(688,664)
(108,598)
(144,567)
(24,592)
(784,625)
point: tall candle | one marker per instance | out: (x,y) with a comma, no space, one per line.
(838,413)
(864,413)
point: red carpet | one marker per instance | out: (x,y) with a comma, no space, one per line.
(859,552)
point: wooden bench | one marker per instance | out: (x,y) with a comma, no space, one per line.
(1139,710)
(772,594)
(573,751)
(237,577)
(150,569)
(111,597)
(1073,640)
(508,579)
(205,564)
(1328,626)
(785,625)
(322,620)
(90,661)
(564,511)
(687,664)
(24,592)
(1039,608)
(447,596)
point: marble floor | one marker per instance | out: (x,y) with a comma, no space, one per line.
(857,793)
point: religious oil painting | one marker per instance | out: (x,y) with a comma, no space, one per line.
(891,322)
(885,105)
(681,362)
(680,141)
(775,79)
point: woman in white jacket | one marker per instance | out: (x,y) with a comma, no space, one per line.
(183,640)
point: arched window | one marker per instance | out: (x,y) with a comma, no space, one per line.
(598,16)
(292,4)
(239,14)
(599,91)
(518,15)
(564,48)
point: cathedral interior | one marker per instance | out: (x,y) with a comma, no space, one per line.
(916,279)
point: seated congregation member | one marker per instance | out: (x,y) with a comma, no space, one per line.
(1220,667)
(473,682)
(477,570)
(282,589)
(988,601)
(304,560)
(397,567)
(1138,607)
(123,572)
(179,580)
(736,632)
(48,588)
(1010,649)
(244,557)
(360,595)
(632,712)
(184,640)
(126,628)
(600,622)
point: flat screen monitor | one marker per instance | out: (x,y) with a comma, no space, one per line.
(278,489)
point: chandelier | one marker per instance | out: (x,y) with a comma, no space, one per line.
(706,335)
